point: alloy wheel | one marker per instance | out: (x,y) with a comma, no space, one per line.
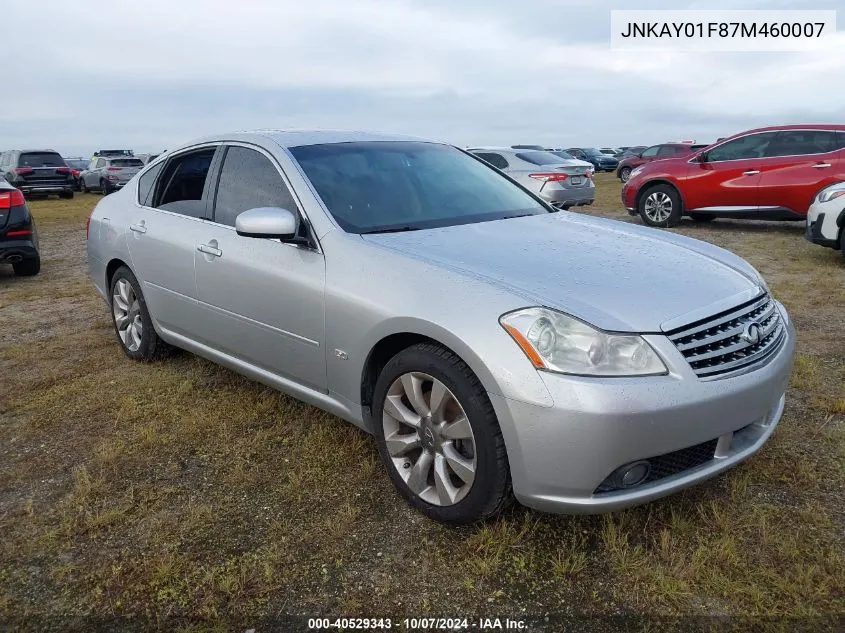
(625,174)
(127,315)
(658,207)
(429,439)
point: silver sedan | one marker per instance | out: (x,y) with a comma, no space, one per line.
(497,348)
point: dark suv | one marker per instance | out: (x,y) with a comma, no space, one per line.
(18,238)
(601,162)
(37,171)
(655,152)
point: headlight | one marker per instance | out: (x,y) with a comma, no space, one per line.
(556,342)
(832,192)
(635,171)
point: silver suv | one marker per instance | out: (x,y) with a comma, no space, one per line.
(494,347)
(108,174)
(561,182)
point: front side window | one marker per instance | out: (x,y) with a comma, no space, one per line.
(651,152)
(183,182)
(248,180)
(744,147)
(666,151)
(405,185)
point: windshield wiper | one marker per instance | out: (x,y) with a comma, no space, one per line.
(396,229)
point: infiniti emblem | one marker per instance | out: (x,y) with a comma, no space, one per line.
(751,333)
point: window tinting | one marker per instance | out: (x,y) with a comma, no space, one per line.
(651,151)
(539,158)
(145,185)
(183,181)
(405,185)
(41,159)
(744,147)
(497,160)
(126,162)
(248,180)
(800,142)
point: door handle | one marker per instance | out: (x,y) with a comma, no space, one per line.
(821,165)
(752,172)
(209,250)
(138,228)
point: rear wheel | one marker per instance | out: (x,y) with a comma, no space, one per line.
(132,323)
(27,267)
(702,217)
(624,174)
(660,206)
(438,436)
(104,187)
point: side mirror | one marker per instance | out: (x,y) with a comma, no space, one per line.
(271,222)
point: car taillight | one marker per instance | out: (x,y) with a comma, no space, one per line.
(549,177)
(23,170)
(115,168)
(62,170)
(19,233)
(9,199)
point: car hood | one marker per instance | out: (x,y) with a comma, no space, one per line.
(614,275)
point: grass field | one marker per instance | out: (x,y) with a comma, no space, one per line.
(179,489)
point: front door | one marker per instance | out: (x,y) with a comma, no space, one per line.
(262,300)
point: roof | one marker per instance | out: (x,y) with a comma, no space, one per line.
(294,138)
(494,148)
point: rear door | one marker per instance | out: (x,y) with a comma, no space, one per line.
(799,164)
(261,299)
(727,181)
(164,228)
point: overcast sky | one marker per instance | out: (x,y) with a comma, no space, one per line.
(153,74)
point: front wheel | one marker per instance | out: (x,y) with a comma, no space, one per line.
(660,206)
(624,174)
(438,436)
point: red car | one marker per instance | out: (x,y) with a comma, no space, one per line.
(655,152)
(771,173)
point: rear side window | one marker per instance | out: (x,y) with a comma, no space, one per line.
(539,158)
(667,150)
(183,182)
(651,151)
(101,162)
(497,160)
(41,159)
(744,147)
(802,142)
(145,185)
(248,180)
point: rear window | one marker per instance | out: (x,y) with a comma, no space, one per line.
(127,162)
(41,159)
(539,158)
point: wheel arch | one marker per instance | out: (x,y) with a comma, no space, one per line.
(111,269)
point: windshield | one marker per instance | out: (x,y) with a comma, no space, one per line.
(127,162)
(592,151)
(405,185)
(540,158)
(564,155)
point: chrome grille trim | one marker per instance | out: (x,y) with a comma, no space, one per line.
(715,347)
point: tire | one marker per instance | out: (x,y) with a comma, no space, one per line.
(137,345)
(27,267)
(624,174)
(104,188)
(67,195)
(702,217)
(660,206)
(471,436)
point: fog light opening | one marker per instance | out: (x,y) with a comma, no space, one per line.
(632,474)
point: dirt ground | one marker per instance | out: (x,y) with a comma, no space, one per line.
(178,492)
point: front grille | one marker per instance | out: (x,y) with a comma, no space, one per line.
(725,343)
(669,464)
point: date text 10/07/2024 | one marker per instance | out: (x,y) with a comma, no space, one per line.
(418,624)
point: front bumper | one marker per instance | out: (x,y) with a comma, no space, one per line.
(560,455)
(824,223)
(629,198)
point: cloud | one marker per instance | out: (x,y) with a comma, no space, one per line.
(154,74)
